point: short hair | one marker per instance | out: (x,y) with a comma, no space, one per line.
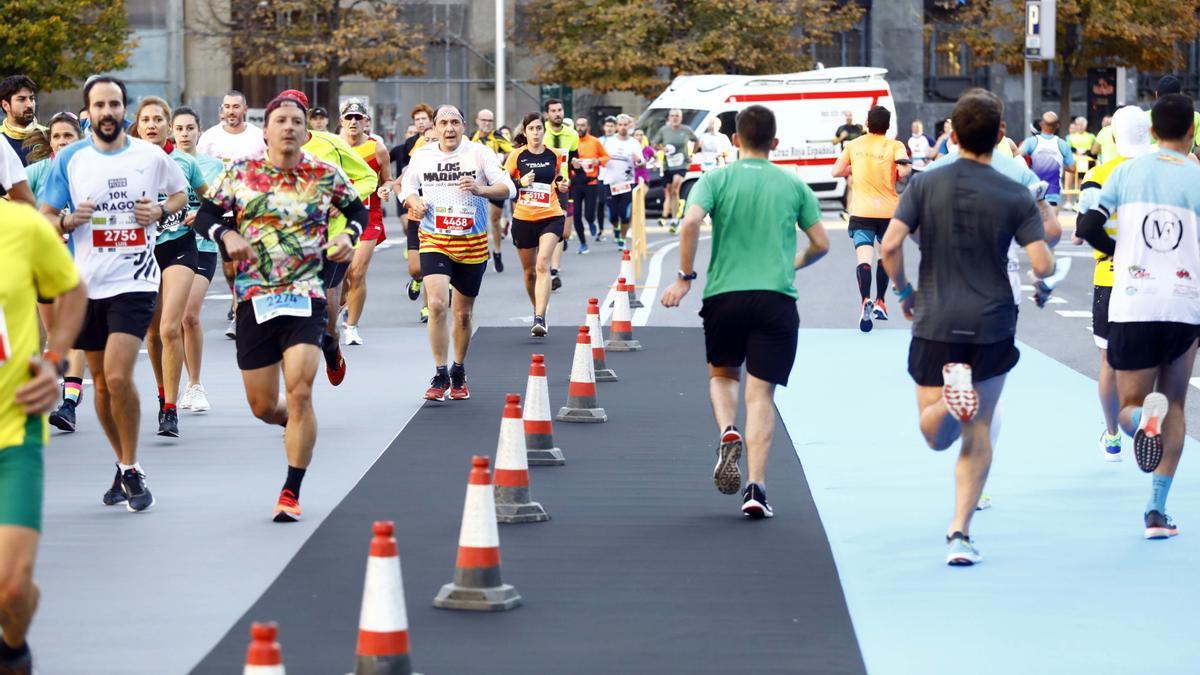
(185,110)
(879,119)
(1168,84)
(145,102)
(1081,120)
(1171,117)
(104,79)
(623,116)
(14,83)
(421,108)
(549,102)
(756,128)
(976,121)
(235,92)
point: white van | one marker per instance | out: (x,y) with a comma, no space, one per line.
(808,107)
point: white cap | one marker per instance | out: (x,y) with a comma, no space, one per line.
(1131,131)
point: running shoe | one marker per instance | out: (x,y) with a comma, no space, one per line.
(229,315)
(64,417)
(231,332)
(287,509)
(880,311)
(343,316)
(414,290)
(438,387)
(726,474)
(168,423)
(1147,440)
(458,385)
(662,222)
(555,283)
(1110,446)
(672,226)
(754,502)
(962,401)
(133,484)
(498,262)
(199,398)
(424,315)
(1160,526)
(583,249)
(18,665)
(619,242)
(539,327)
(864,319)
(592,229)
(335,366)
(114,495)
(566,245)
(352,336)
(984,503)
(185,401)
(961,551)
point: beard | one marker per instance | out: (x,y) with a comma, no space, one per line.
(26,118)
(98,129)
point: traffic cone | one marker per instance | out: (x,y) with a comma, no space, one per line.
(581,395)
(263,656)
(539,430)
(621,330)
(477,585)
(596,335)
(383,622)
(627,273)
(512,470)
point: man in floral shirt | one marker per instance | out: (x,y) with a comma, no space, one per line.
(281,243)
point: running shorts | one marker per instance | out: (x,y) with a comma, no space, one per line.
(21,478)
(262,344)
(207,264)
(178,251)
(670,174)
(867,231)
(374,232)
(1100,296)
(333,274)
(498,203)
(466,278)
(926,358)
(129,313)
(527,233)
(755,327)
(1148,344)
(411,228)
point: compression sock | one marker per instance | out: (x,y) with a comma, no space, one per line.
(294,478)
(1159,487)
(12,653)
(1136,418)
(881,280)
(442,373)
(72,389)
(863,272)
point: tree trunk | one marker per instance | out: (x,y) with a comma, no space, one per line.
(334,72)
(1066,76)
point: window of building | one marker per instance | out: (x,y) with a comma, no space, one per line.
(848,48)
(950,68)
(146,14)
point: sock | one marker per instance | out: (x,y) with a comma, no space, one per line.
(294,478)
(161,394)
(881,280)
(168,406)
(72,388)
(863,272)
(457,367)
(1159,487)
(553,272)
(136,466)
(12,653)
(442,374)
(329,344)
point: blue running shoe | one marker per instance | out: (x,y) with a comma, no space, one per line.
(961,552)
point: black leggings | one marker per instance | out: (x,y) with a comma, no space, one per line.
(584,196)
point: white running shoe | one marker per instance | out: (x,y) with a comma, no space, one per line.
(352,336)
(198,398)
(185,401)
(231,332)
(958,391)
(1110,446)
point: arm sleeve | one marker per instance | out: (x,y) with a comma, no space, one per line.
(54,272)
(494,175)
(1090,228)
(210,221)
(1067,155)
(1026,147)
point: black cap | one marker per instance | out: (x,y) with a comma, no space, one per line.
(353,107)
(318,112)
(1169,84)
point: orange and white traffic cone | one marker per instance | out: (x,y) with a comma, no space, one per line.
(621,331)
(603,372)
(627,273)
(581,394)
(513,504)
(539,429)
(263,657)
(383,622)
(477,585)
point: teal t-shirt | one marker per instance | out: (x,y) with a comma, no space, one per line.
(210,168)
(755,207)
(174,228)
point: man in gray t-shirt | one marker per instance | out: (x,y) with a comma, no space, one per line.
(964,217)
(672,139)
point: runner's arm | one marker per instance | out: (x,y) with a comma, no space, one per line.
(20,192)
(1040,258)
(499,184)
(841,168)
(1090,228)
(891,251)
(818,245)
(385,164)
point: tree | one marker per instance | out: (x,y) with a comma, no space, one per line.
(58,43)
(1142,34)
(331,37)
(621,45)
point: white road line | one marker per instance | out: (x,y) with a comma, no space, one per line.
(1195,381)
(653,280)
(1075,313)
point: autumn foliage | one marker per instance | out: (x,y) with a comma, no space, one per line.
(59,43)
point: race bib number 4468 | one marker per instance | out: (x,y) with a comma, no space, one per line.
(454,220)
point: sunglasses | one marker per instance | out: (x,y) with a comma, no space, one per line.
(357,118)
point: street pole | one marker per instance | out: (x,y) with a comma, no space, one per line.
(500,75)
(1040,23)
(1028,99)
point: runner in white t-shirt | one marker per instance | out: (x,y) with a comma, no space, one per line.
(13,180)
(111,183)
(617,176)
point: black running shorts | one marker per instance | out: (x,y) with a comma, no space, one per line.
(411,226)
(1148,344)
(178,251)
(333,274)
(262,344)
(129,313)
(755,327)
(1100,297)
(926,358)
(527,233)
(466,278)
(207,264)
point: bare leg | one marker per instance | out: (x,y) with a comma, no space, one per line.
(116,394)
(463,306)
(193,334)
(437,294)
(262,393)
(356,278)
(176,286)
(300,364)
(975,456)
(102,401)
(1173,383)
(1132,387)
(723,393)
(1110,402)
(18,594)
(528,258)
(760,427)
(548,246)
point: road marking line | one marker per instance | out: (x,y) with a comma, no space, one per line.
(1054,300)
(1195,381)
(1074,313)
(650,292)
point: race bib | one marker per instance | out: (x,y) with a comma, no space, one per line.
(675,161)
(620,188)
(588,164)
(707,160)
(5,347)
(173,221)
(455,221)
(117,233)
(267,307)
(537,195)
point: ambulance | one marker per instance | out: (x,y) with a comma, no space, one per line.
(808,107)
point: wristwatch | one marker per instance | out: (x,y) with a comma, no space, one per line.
(687,277)
(59,362)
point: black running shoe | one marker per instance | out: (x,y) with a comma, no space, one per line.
(566,245)
(1147,440)
(414,289)
(18,665)
(114,495)
(1160,526)
(727,475)
(64,418)
(539,327)
(754,502)
(458,384)
(498,262)
(133,484)
(555,283)
(168,423)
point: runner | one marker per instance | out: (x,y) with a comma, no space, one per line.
(1080,141)
(713,149)
(354,115)
(422,117)
(1133,140)
(641,173)
(624,154)
(1048,156)
(538,217)
(280,241)
(945,144)
(13,182)
(18,99)
(1154,314)
(110,183)
(674,139)
(876,162)
(920,146)
(1105,146)
(963,336)
(485,134)
(585,188)
(176,253)
(318,119)
(604,198)
(749,306)
(841,136)
(185,126)
(562,138)
(36,265)
(1170,84)
(446,187)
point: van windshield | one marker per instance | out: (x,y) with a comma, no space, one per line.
(653,119)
